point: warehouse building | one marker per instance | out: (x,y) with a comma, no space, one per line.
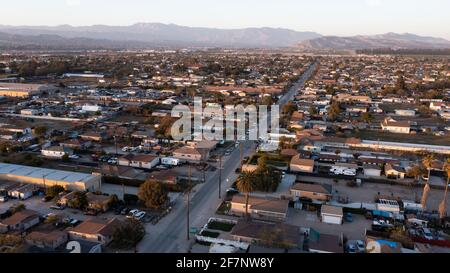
(22,90)
(49,177)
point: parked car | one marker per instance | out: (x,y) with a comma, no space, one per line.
(132,213)
(360,246)
(349,217)
(56,207)
(139,215)
(427,234)
(74,156)
(232,191)
(124,211)
(351,248)
(4,198)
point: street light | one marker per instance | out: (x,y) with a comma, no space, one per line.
(220,177)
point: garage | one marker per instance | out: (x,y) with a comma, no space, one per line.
(331,214)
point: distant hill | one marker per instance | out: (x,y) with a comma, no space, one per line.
(388,40)
(170,35)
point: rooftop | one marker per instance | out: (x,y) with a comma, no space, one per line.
(50,174)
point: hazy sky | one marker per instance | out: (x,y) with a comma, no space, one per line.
(329,17)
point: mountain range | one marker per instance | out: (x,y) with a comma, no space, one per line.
(388,40)
(145,35)
(157,34)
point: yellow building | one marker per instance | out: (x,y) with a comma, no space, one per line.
(21,90)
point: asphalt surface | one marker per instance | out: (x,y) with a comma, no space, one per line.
(170,234)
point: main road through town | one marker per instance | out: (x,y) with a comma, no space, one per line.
(170,234)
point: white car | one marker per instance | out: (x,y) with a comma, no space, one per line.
(132,213)
(125,149)
(139,215)
(74,156)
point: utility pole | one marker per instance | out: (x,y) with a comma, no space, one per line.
(43,179)
(188,205)
(220,177)
(115,143)
(240,155)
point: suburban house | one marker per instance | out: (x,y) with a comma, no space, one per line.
(315,192)
(98,202)
(393,126)
(56,152)
(331,214)
(143,161)
(256,233)
(92,136)
(298,164)
(48,239)
(393,171)
(325,243)
(189,154)
(20,221)
(76,144)
(272,209)
(95,230)
(122,172)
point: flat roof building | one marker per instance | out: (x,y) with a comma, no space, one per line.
(49,177)
(21,89)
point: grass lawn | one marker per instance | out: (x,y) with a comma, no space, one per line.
(210,234)
(224,208)
(215,225)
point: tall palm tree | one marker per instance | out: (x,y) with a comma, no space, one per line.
(442,206)
(416,171)
(246,184)
(428,163)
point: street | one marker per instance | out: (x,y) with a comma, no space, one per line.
(169,235)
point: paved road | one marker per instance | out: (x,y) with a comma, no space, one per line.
(288,96)
(169,235)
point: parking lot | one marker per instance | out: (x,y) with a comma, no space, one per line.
(309,219)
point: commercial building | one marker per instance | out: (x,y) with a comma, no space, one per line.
(49,177)
(22,90)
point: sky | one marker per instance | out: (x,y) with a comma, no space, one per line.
(328,17)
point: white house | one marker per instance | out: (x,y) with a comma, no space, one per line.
(91,108)
(139,161)
(56,152)
(391,125)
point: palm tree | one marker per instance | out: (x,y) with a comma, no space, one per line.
(246,184)
(442,206)
(415,172)
(428,163)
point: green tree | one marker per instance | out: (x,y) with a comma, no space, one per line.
(79,201)
(128,234)
(40,130)
(53,191)
(334,110)
(246,184)
(153,194)
(367,117)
